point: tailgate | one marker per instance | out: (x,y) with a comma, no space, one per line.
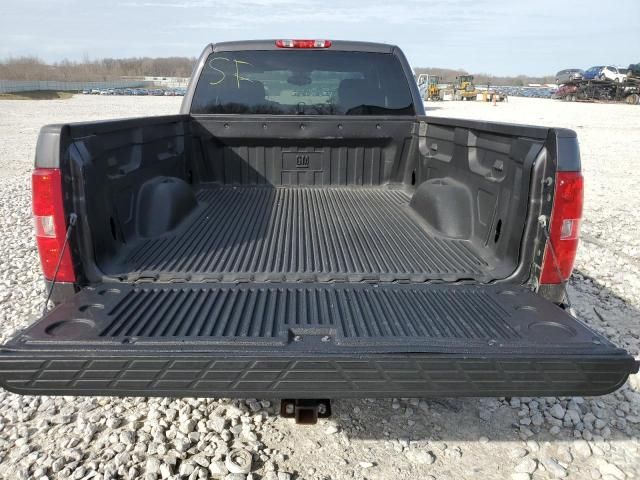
(310,340)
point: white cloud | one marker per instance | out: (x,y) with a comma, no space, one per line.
(521,36)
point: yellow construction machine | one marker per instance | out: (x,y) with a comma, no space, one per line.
(464,89)
(428,85)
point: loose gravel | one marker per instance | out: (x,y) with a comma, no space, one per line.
(514,438)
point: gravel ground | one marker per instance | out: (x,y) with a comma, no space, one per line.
(517,438)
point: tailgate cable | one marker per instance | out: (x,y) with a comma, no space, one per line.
(542,220)
(72,223)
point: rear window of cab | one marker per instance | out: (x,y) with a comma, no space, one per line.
(302,82)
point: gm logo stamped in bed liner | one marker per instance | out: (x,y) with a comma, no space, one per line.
(302,161)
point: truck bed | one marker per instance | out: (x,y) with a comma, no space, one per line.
(192,199)
(303,233)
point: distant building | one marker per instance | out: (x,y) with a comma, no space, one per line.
(167,82)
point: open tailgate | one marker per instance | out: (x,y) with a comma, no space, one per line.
(310,340)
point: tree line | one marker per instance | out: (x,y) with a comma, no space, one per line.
(32,68)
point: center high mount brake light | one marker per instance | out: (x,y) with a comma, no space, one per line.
(303,43)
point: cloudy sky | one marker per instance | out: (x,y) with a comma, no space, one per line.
(500,37)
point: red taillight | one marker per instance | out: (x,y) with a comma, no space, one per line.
(303,43)
(564,229)
(50,224)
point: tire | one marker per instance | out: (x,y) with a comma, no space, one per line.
(632,99)
(617,80)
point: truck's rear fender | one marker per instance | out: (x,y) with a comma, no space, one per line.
(559,152)
(563,157)
(104,165)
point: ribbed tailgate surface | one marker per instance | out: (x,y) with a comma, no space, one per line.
(310,341)
(298,233)
(312,316)
(268,312)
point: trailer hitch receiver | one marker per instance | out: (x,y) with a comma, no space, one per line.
(305,411)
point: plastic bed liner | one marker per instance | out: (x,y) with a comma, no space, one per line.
(303,234)
(310,340)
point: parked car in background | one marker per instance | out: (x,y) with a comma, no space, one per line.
(134,91)
(592,73)
(569,75)
(567,92)
(633,70)
(613,73)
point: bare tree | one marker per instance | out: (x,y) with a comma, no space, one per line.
(32,68)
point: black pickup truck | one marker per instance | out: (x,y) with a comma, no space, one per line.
(302,230)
